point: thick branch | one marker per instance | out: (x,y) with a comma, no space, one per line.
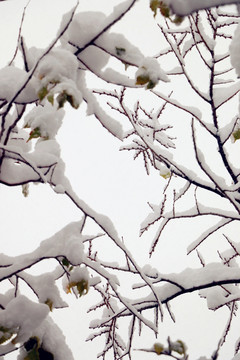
(187,7)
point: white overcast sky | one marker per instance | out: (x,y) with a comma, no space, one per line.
(108,180)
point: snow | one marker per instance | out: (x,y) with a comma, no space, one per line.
(197,279)
(18,141)
(207,40)
(93,107)
(113,76)
(67,241)
(151,68)
(164,171)
(150,271)
(11,81)
(186,7)
(119,46)
(45,287)
(188,45)
(47,146)
(194,111)
(23,315)
(217,297)
(47,118)
(84,27)
(207,233)
(236,357)
(14,173)
(93,59)
(78,274)
(51,339)
(56,73)
(228,129)
(59,189)
(57,64)
(235,51)
(221,95)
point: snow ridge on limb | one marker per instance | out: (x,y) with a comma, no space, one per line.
(187,7)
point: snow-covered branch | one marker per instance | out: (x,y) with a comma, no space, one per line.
(187,7)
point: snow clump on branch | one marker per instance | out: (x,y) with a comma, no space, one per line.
(235,50)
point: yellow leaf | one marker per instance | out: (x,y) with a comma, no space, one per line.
(179,347)
(61,99)
(72,101)
(151,84)
(50,99)
(32,355)
(49,303)
(25,190)
(35,133)
(65,262)
(6,334)
(120,51)
(44,354)
(236,135)
(82,287)
(42,93)
(31,343)
(68,290)
(164,9)
(31,346)
(154,5)
(166,175)
(178,20)
(142,79)
(35,350)
(158,348)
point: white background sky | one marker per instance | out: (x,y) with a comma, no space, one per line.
(108,180)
